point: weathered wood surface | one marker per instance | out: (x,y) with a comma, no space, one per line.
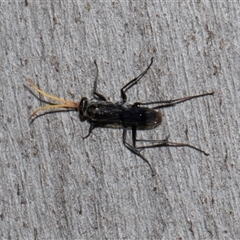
(54,185)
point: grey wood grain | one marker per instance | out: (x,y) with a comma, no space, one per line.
(54,185)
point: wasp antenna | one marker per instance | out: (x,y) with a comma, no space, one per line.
(44,93)
(64,103)
(53,106)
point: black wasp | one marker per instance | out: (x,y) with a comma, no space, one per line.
(99,112)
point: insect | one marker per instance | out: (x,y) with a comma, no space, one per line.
(100,112)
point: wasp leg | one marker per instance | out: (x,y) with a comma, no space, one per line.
(92,126)
(169,103)
(133,149)
(166,143)
(134,135)
(96,94)
(132,83)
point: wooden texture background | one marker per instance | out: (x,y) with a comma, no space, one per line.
(54,185)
